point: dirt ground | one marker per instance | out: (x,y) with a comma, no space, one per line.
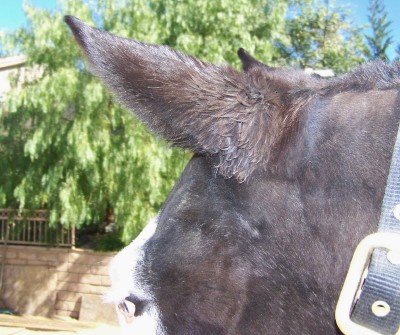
(29,325)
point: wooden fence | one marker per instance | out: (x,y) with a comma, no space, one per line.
(32,228)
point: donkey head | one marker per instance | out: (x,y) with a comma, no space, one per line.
(268,255)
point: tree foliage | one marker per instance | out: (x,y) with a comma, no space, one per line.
(65,145)
(210,30)
(380,40)
(322,36)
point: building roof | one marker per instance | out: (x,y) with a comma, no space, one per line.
(12,61)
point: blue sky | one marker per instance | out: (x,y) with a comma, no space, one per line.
(359,11)
(12,16)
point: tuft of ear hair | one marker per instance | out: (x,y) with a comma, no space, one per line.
(211,110)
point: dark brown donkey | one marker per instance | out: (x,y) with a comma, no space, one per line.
(287,176)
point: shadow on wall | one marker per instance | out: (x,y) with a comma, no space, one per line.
(55,281)
(29,289)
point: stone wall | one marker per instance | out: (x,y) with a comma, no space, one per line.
(56,281)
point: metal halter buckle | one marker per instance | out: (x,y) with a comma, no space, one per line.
(355,277)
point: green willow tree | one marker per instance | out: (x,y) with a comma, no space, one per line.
(65,145)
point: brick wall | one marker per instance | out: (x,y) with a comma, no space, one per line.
(79,274)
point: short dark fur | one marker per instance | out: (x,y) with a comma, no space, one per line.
(267,256)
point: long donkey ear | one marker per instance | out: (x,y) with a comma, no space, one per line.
(205,108)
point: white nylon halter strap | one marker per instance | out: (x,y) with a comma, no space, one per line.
(375,305)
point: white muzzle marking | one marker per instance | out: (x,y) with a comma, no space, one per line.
(124,282)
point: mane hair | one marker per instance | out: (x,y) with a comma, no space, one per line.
(378,75)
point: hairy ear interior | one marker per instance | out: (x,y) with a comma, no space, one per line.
(208,109)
